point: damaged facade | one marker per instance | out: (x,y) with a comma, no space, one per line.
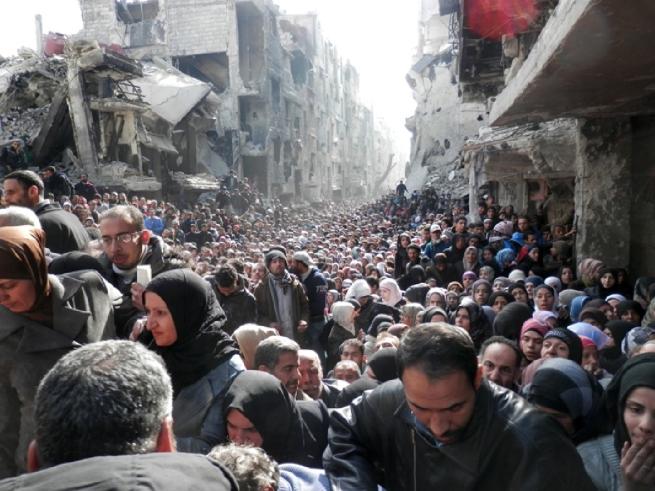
(570,119)
(443,120)
(167,95)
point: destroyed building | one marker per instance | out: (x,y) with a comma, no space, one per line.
(164,96)
(443,120)
(569,120)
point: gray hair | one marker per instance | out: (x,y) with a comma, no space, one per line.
(18,215)
(269,350)
(347,365)
(105,398)
(252,468)
(128,213)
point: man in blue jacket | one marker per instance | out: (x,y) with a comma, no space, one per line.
(316,288)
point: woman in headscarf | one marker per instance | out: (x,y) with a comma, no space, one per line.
(623,460)
(481,291)
(343,328)
(471,260)
(42,317)
(472,319)
(248,338)
(606,284)
(545,298)
(436,297)
(630,311)
(505,260)
(611,356)
(185,327)
(259,411)
(557,343)
(499,300)
(390,293)
(564,390)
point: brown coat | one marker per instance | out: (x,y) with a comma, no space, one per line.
(266,307)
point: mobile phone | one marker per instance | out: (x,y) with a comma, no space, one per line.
(143,274)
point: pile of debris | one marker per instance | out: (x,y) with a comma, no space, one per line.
(131,125)
(28,84)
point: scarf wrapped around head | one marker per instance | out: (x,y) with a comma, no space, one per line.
(638,371)
(264,400)
(564,386)
(395,293)
(342,313)
(201,343)
(22,257)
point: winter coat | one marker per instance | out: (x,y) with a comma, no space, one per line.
(266,308)
(64,232)
(82,313)
(240,307)
(316,289)
(198,419)
(507,445)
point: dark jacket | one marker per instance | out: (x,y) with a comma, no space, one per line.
(58,184)
(508,445)
(240,307)
(81,313)
(316,289)
(151,472)
(86,189)
(63,230)
(160,258)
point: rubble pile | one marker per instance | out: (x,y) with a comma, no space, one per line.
(130,123)
(28,83)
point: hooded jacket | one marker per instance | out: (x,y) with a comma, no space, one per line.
(507,445)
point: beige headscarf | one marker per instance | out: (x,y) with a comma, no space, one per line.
(248,338)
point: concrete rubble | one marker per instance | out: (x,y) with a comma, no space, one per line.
(165,96)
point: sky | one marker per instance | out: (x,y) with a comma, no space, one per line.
(379,37)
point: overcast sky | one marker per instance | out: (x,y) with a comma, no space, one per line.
(378,36)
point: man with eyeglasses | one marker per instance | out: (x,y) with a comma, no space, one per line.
(126,243)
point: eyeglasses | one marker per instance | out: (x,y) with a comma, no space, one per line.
(124,238)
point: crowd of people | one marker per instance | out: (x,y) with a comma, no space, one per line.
(396,344)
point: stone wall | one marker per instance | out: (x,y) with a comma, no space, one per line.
(198,26)
(603,190)
(642,215)
(100,21)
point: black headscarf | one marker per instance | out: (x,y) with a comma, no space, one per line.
(638,371)
(571,339)
(384,364)
(611,359)
(265,401)
(508,322)
(480,327)
(201,343)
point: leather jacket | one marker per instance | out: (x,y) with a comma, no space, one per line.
(508,445)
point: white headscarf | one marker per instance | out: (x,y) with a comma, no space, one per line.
(394,296)
(342,313)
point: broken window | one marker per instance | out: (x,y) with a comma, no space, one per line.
(212,68)
(135,11)
(276,93)
(299,68)
(250,23)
